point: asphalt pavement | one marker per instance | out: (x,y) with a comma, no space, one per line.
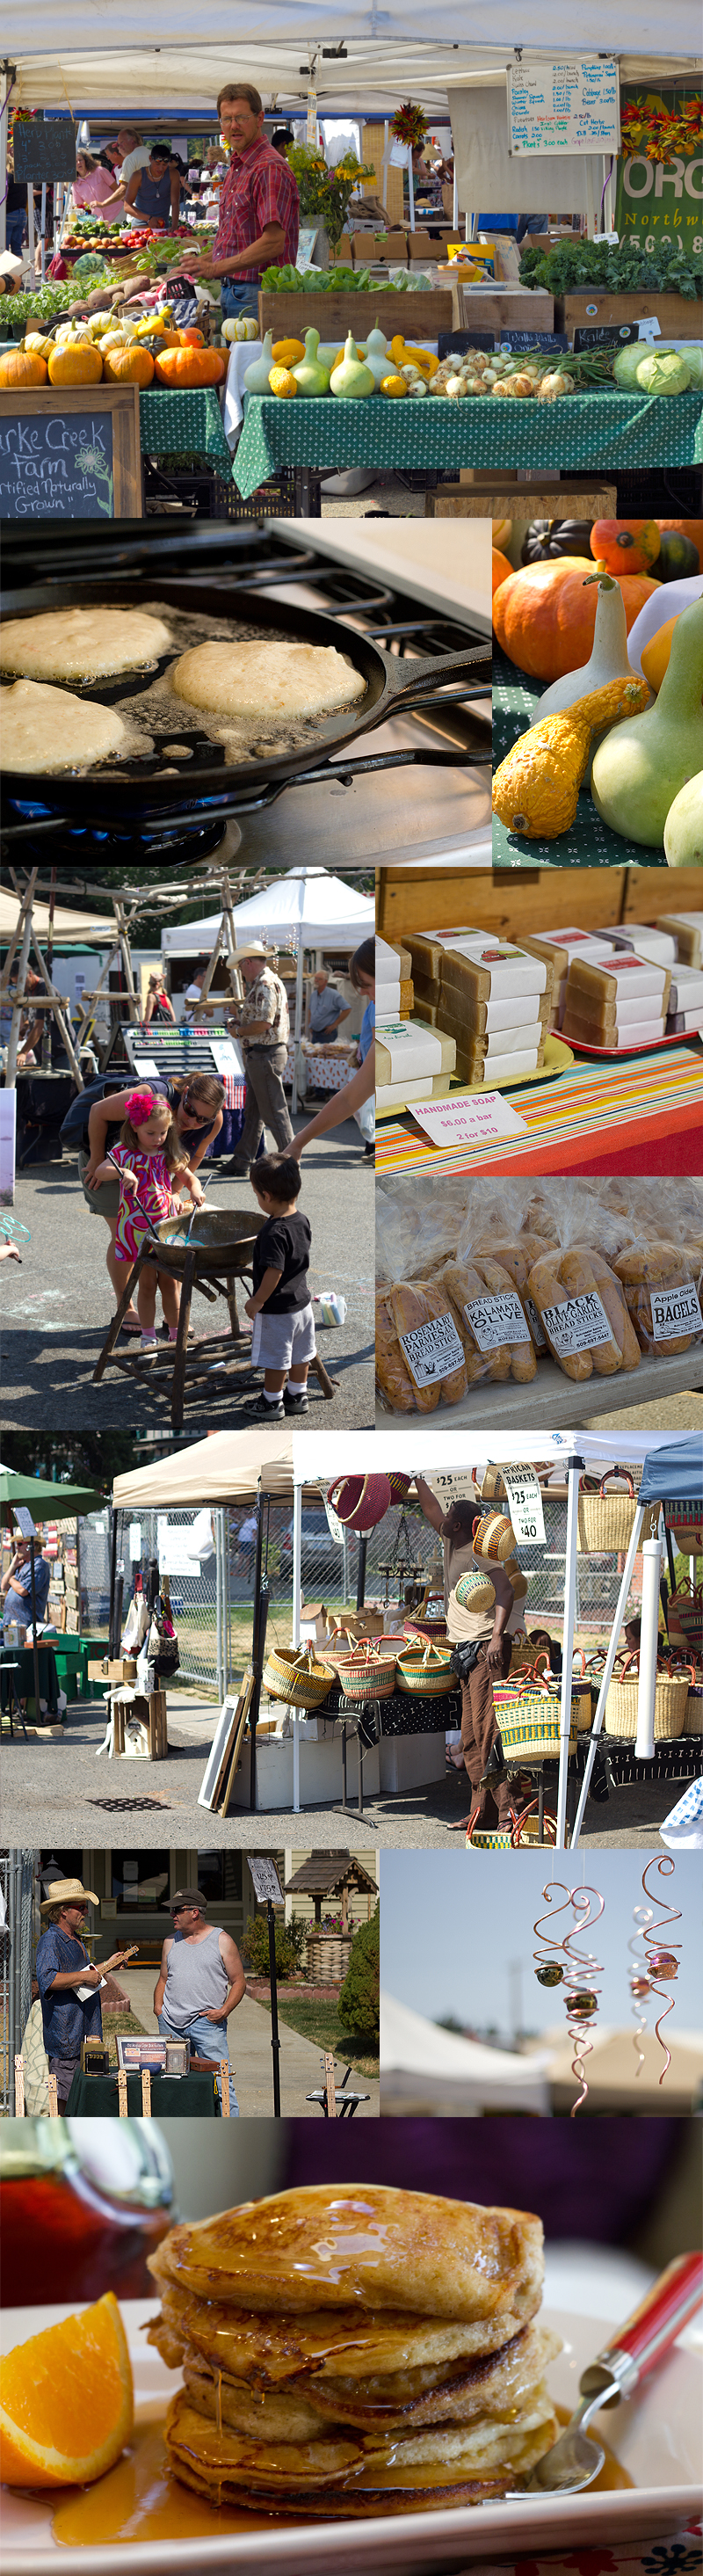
(251,2061)
(55,1309)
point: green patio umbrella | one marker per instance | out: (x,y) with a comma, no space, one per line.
(45,1501)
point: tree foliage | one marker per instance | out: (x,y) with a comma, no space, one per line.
(359,2000)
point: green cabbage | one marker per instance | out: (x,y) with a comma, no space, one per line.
(663,372)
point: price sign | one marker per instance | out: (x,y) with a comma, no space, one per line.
(265,1879)
(335,1526)
(563,106)
(511,340)
(674,1311)
(474,1118)
(525,1505)
(23,1520)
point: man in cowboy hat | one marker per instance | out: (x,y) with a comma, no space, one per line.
(64,1973)
(262,1026)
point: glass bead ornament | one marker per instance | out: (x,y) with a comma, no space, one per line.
(583,1906)
(659,1967)
(551,1974)
(582,2004)
(664,1965)
(639,1987)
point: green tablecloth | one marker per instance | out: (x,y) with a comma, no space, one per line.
(189,2097)
(23,1678)
(187,420)
(590,842)
(594,429)
(72,1657)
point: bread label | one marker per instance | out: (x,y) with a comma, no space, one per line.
(581,1324)
(674,1311)
(433,1350)
(535,1323)
(497,1319)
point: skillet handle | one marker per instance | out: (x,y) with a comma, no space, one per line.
(410,677)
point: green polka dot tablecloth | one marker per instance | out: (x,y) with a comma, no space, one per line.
(590,842)
(186,419)
(594,429)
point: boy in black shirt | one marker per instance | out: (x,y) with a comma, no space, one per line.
(283,1340)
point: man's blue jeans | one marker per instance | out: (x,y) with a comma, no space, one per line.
(207,2039)
(238,299)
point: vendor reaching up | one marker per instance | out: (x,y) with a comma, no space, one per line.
(491,1634)
(259,206)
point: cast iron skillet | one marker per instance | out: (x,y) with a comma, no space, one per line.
(142,787)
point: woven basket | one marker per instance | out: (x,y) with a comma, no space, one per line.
(485,1839)
(670,1703)
(494,1537)
(370,1672)
(687,1607)
(687,1534)
(360,1501)
(606,1521)
(425,1671)
(694,1711)
(399,1485)
(293,1674)
(426,1629)
(475,1591)
(529,1718)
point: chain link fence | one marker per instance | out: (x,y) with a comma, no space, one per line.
(16,1889)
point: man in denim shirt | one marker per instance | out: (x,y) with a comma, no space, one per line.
(62,1967)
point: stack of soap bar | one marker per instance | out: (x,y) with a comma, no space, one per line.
(621,1004)
(427,949)
(658,944)
(413,1062)
(687,928)
(685,1001)
(394,989)
(557,947)
(495,1003)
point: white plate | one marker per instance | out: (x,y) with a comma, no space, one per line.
(658,2440)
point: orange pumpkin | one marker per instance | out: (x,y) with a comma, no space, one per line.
(131,366)
(501,569)
(192,339)
(625,545)
(544,618)
(75,363)
(190,367)
(20,367)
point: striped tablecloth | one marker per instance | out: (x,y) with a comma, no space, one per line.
(574,1120)
(590,430)
(589,843)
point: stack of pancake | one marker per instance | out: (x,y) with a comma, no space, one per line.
(355,2351)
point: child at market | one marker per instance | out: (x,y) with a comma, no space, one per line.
(150,1156)
(283,1339)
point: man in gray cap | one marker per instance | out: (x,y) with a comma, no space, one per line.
(262,1026)
(200,1982)
(69,1987)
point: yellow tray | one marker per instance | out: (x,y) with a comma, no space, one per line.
(557,1059)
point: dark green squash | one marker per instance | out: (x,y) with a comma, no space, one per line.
(678,559)
(547,539)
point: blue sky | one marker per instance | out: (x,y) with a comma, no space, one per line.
(457,1931)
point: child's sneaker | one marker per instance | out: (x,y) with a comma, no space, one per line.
(293,1403)
(261,1411)
(148,1346)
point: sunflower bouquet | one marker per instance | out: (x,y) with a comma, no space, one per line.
(324,192)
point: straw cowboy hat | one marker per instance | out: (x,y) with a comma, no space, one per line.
(68,1891)
(253,948)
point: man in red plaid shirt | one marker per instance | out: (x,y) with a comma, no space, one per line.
(259,205)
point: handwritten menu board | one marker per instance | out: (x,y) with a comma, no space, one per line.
(569,106)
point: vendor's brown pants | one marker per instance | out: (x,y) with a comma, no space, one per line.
(479,1728)
(265,1104)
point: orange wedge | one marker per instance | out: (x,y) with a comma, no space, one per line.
(66,2401)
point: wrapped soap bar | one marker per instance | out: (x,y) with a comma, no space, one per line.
(686,995)
(494,1069)
(658,944)
(397,1095)
(426,950)
(409,1050)
(687,930)
(597,993)
(616,1039)
(392,961)
(557,947)
(495,972)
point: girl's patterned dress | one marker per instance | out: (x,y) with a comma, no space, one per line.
(155,1186)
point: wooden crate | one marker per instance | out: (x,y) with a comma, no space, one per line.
(678,319)
(531,899)
(488,496)
(511,308)
(420,316)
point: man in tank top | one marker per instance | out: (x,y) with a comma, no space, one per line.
(200,1982)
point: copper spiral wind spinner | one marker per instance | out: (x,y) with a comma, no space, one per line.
(580,1971)
(655,1967)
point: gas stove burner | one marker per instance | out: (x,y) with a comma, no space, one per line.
(158,840)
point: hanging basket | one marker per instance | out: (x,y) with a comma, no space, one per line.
(475,1591)
(426,1630)
(494,1537)
(360,1501)
(687,1606)
(369,1673)
(694,1710)
(400,1487)
(492,1487)
(425,1672)
(293,1674)
(606,1520)
(670,1703)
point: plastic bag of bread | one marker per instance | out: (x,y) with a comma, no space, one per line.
(662,1296)
(493,1315)
(393,1378)
(429,1345)
(574,1318)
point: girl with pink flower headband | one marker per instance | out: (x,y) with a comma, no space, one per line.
(150,1156)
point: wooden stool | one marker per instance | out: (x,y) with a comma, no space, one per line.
(186,1364)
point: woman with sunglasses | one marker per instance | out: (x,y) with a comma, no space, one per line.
(197,1102)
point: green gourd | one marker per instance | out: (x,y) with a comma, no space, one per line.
(256,376)
(642,764)
(309,374)
(351,378)
(376,356)
(683,829)
(609,654)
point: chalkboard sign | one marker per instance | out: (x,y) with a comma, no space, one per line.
(563,106)
(605,335)
(164,1051)
(533,340)
(452,343)
(45,151)
(70,453)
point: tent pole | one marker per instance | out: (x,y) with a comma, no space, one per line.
(649,1641)
(221,1684)
(35,1647)
(297,1583)
(361,1572)
(567,1653)
(113,1580)
(609,1662)
(298,1020)
(258,1642)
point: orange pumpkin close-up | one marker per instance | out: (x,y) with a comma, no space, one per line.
(625,545)
(500,569)
(20,367)
(130,366)
(75,363)
(544,616)
(190,367)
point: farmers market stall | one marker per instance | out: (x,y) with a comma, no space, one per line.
(582,1109)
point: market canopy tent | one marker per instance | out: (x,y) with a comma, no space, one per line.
(674,1473)
(320,909)
(158,62)
(230,1467)
(426,2068)
(69,929)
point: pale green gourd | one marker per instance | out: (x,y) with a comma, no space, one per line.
(309,374)
(256,376)
(683,829)
(377,356)
(352,377)
(642,765)
(609,654)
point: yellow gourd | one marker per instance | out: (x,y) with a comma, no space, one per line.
(393,385)
(535,790)
(422,358)
(282,382)
(285,352)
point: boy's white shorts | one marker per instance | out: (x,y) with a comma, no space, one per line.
(283,1341)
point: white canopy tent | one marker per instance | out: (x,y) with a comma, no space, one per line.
(429,2069)
(158,59)
(307,908)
